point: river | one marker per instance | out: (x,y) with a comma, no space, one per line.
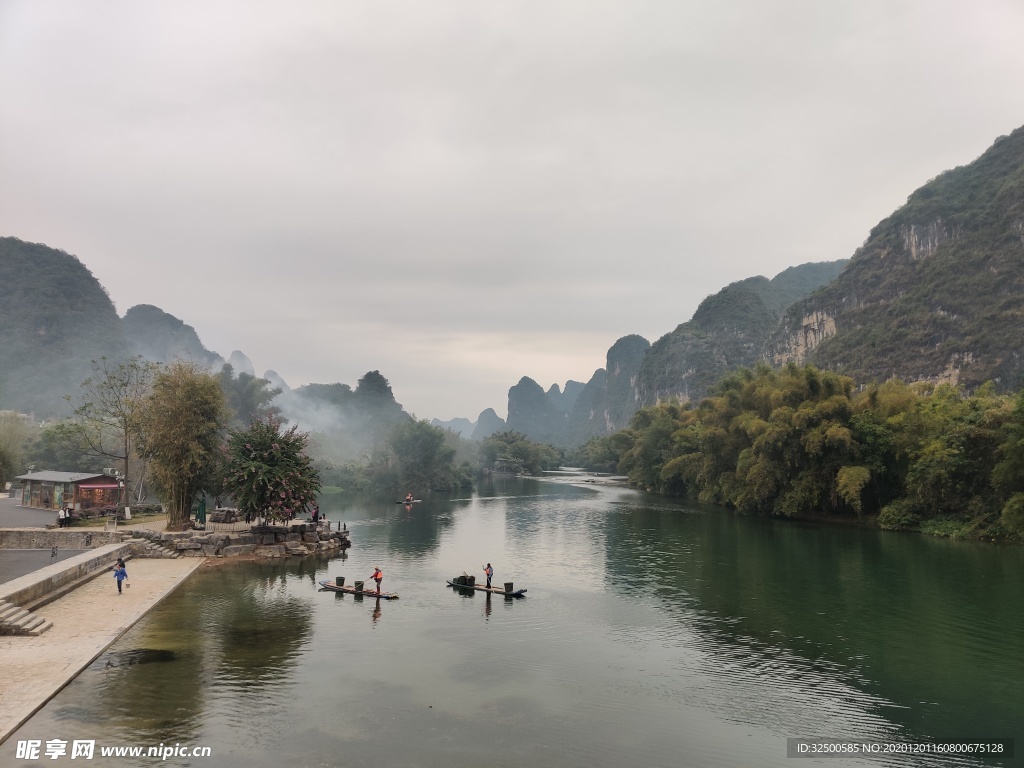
(654,632)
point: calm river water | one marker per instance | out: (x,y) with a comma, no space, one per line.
(654,633)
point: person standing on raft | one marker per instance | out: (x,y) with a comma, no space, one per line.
(489,572)
(378,576)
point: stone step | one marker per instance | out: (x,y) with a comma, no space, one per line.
(13,618)
(6,609)
(32,623)
(25,622)
(41,628)
(154,549)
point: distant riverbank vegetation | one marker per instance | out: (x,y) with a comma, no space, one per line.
(241,450)
(805,443)
(419,456)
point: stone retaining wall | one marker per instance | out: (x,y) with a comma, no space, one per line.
(261,544)
(46,580)
(42,538)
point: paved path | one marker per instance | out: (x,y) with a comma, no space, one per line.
(12,515)
(85,623)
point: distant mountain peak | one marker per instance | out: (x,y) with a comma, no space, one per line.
(241,363)
(161,337)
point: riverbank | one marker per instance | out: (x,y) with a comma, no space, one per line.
(85,623)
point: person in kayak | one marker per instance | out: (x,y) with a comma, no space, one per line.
(408,498)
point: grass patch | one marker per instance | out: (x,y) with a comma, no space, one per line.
(946,527)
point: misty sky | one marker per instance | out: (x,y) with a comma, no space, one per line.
(459,194)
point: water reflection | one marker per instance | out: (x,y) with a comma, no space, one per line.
(410,530)
(862,620)
(259,628)
(654,633)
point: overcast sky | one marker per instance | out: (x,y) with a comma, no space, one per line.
(459,194)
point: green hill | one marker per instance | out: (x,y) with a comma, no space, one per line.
(728,331)
(55,318)
(161,337)
(936,292)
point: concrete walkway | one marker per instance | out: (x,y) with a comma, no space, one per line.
(85,623)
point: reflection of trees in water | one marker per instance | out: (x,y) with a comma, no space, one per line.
(535,507)
(152,687)
(419,534)
(416,528)
(411,529)
(261,629)
(896,616)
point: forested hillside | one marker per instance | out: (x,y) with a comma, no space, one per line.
(802,442)
(728,331)
(55,319)
(937,291)
(161,337)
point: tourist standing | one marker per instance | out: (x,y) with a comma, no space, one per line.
(378,576)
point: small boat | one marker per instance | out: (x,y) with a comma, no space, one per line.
(353,591)
(489,590)
(413,501)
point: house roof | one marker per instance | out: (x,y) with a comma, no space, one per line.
(62,477)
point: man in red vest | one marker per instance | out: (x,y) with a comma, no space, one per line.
(378,576)
(490,572)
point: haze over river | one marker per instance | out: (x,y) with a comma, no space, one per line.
(654,632)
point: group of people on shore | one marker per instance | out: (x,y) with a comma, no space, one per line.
(64,517)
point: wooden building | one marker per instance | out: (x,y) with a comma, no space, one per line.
(79,490)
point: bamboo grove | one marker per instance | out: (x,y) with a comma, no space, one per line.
(803,442)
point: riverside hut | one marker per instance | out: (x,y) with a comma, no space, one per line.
(79,490)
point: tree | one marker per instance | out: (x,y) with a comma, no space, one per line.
(268,471)
(425,457)
(12,441)
(182,428)
(518,453)
(106,422)
(248,397)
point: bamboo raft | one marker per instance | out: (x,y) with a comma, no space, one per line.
(361,592)
(464,582)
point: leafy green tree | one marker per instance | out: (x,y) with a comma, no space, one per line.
(654,445)
(183,423)
(952,441)
(1012,516)
(602,454)
(47,448)
(106,423)
(518,453)
(268,471)
(248,397)
(425,458)
(13,435)
(417,457)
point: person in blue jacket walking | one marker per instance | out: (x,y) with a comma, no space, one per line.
(120,574)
